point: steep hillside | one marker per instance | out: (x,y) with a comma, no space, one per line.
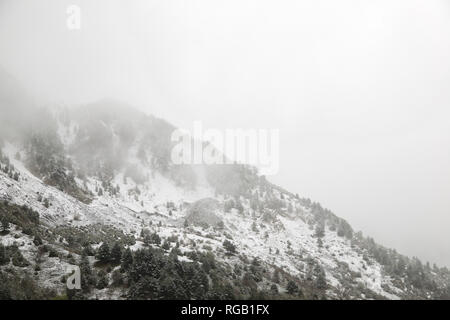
(94,187)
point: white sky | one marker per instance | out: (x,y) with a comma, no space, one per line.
(359,90)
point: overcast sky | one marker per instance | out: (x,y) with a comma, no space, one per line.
(359,90)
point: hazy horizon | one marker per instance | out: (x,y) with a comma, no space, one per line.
(358,90)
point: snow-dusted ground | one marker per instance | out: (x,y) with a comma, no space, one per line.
(284,242)
(52,269)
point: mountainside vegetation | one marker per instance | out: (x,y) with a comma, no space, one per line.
(94,187)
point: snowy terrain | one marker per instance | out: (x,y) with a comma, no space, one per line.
(288,234)
(101,175)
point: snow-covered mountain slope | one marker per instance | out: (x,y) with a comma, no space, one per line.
(283,242)
(94,187)
(96,176)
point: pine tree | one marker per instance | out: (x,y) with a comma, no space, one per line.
(88,250)
(37,240)
(166,245)
(87,277)
(19,260)
(229,247)
(103,254)
(200,284)
(155,239)
(168,290)
(116,253)
(102,281)
(320,230)
(5,224)
(127,260)
(117,278)
(321,282)
(292,287)
(276,276)
(3,257)
(239,206)
(274,289)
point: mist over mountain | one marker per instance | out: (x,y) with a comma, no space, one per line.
(94,186)
(358,90)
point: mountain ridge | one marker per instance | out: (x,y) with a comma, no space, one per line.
(100,180)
